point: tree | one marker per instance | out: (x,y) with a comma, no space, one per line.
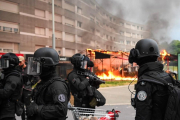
(174,47)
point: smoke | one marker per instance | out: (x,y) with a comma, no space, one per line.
(160,16)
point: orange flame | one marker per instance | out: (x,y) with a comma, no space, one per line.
(111,76)
(164,54)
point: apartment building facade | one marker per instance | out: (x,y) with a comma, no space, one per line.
(26,25)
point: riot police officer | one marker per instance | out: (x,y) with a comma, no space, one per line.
(85,94)
(12,86)
(51,95)
(151,96)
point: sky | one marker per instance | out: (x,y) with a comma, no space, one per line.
(161,16)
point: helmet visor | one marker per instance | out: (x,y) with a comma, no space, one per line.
(34,67)
(83,64)
(4,63)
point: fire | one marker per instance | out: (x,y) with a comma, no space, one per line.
(111,76)
(164,54)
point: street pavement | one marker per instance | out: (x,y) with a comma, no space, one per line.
(117,98)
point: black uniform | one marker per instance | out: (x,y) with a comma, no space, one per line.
(51,95)
(151,94)
(51,101)
(152,106)
(78,86)
(10,93)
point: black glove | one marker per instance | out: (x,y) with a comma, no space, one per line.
(32,109)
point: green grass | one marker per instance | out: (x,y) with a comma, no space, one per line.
(116,83)
(171,68)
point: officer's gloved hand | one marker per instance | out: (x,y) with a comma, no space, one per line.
(32,109)
(93,102)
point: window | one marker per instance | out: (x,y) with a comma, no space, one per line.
(128,34)
(122,24)
(79,10)
(59,50)
(114,20)
(107,47)
(57,3)
(69,37)
(40,13)
(69,22)
(128,42)
(134,35)
(57,18)
(58,34)
(92,18)
(133,42)
(110,37)
(141,28)
(121,33)
(128,25)
(39,31)
(69,7)
(15,30)
(79,39)
(110,47)
(110,18)
(7,50)
(7,29)
(138,27)
(107,36)
(79,24)
(97,33)
(122,41)
(133,27)
(104,36)
(9,7)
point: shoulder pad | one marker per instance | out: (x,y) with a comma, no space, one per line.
(151,81)
(143,83)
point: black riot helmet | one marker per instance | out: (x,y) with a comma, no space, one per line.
(79,61)
(8,60)
(144,48)
(43,57)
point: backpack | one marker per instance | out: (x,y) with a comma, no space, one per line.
(173,104)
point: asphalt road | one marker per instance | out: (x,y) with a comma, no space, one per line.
(117,98)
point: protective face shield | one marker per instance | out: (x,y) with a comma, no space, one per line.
(89,62)
(4,63)
(83,64)
(34,67)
